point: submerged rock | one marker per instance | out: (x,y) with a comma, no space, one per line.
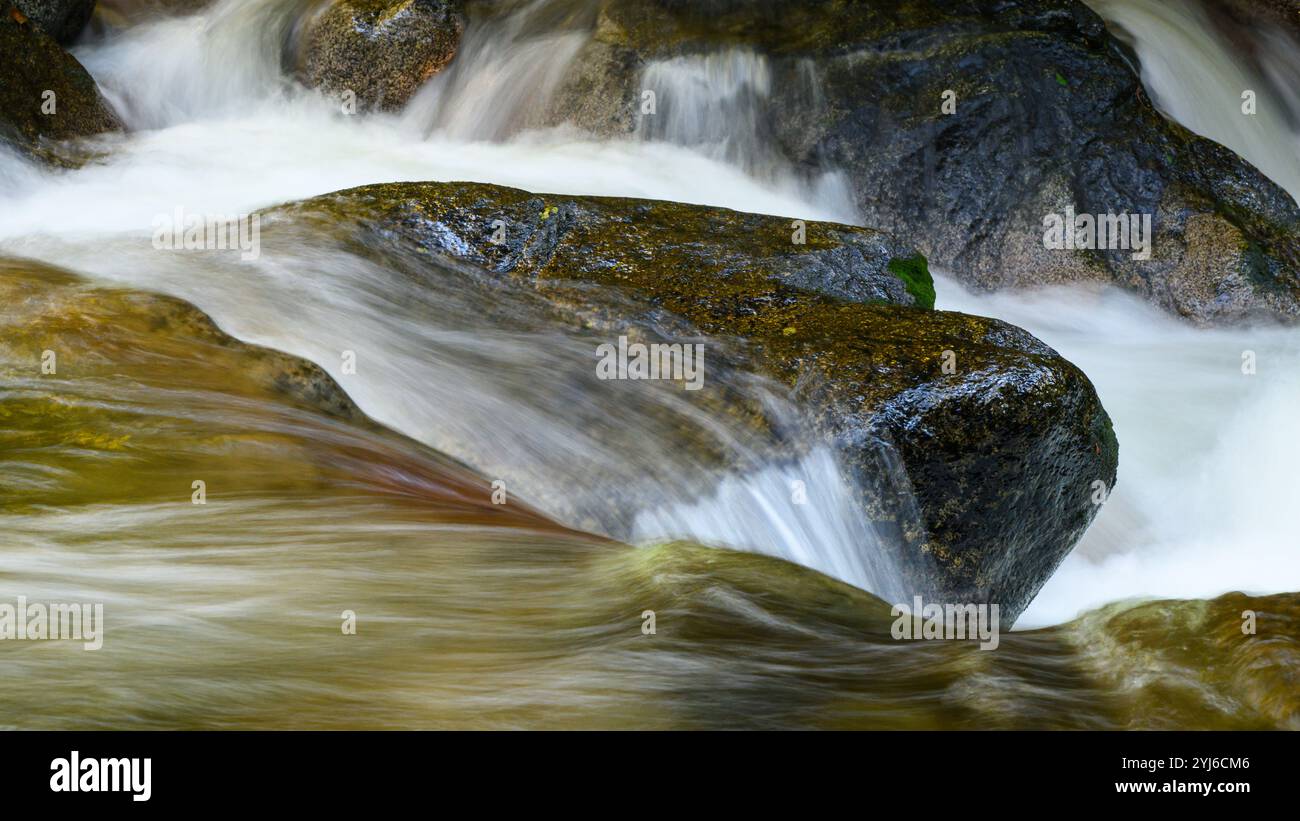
(46,94)
(380,50)
(119,396)
(976,446)
(963,126)
(63,20)
(1216,664)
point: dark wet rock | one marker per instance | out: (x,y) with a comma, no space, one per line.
(34,67)
(1049,115)
(380,50)
(63,20)
(982,472)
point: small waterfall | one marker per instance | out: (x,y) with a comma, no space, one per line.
(717,105)
(802,512)
(225,61)
(712,103)
(1193,76)
(502,78)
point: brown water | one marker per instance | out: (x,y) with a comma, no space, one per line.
(469,614)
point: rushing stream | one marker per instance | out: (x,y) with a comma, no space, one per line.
(482,617)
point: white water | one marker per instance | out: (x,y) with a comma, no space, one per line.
(1206,495)
(714,105)
(1193,77)
(1207,492)
(500,82)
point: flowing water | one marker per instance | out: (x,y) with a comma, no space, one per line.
(1195,77)
(531,614)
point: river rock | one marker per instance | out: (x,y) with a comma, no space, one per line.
(380,50)
(979,449)
(63,20)
(41,77)
(144,394)
(1047,113)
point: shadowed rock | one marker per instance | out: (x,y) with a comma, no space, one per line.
(46,95)
(63,20)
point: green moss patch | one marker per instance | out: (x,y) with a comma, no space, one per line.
(914,271)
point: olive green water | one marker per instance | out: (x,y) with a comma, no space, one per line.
(228,614)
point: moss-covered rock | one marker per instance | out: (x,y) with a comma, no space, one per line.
(1049,114)
(46,95)
(974,444)
(61,19)
(380,50)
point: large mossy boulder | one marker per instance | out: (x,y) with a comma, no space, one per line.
(63,20)
(381,51)
(46,96)
(977,447)
(1049,114)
